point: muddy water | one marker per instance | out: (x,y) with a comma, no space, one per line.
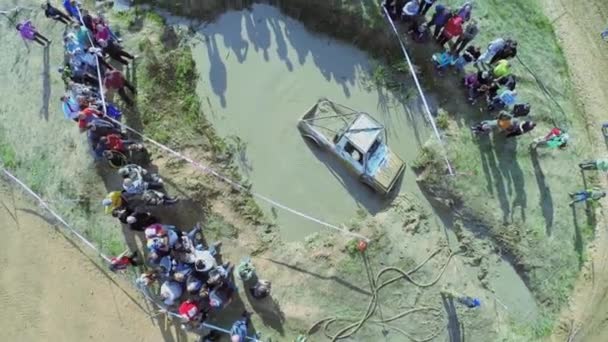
(260,72)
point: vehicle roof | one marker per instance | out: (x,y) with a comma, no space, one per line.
(363,132)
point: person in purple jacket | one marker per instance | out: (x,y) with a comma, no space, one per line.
(440,18)
(30,33)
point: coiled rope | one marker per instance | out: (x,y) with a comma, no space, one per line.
(372,306)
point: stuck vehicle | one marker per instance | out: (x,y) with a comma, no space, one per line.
(355,138)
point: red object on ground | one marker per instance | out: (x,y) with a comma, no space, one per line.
(120,263)
(362,246)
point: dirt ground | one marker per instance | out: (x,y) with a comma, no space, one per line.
(51,291)
(578,26)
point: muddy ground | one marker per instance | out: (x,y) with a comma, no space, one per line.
(51,291)
(332,270)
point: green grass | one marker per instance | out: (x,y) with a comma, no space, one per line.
(522,198)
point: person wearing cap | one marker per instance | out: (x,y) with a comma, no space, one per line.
(238,332)
(115,80)
(170,292)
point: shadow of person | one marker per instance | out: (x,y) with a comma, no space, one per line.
(46,84)
(578,237)
(546,200)
(454,326)
(230,314)
(267,308)
(217,71)
(232,33)
(506,152)
(281,43)
(488,157)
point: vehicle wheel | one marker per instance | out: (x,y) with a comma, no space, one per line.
(312,139)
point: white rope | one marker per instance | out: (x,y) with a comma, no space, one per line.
(89,244)
(238,186)
(426,105)
(59,218)
(206,169)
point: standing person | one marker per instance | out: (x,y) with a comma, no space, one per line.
(470,55)
(521,128)
(604,34)
(470,32)
(70,107)
(87,20)
(504,100)
(115,80)
(440,17)
(410,10)
(465,11)
(55,13)
(425,6)
(30,33)
(452,29)
(238,332)
(115,51)
(597,164)
(590,195)
(507,52)
(71,8)
(493,48)
(502,69)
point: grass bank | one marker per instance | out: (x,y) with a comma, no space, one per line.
(516,196)
(503,192)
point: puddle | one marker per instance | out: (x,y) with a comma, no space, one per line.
(512,294)
(260,72)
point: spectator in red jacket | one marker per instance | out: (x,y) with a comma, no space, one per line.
(452,29)
(115,80)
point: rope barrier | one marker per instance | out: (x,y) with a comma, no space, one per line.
(207,169)
(420,91)
(352,328)
(143,291)
(55,215)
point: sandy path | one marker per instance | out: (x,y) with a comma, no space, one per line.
(578,26)
(49,291)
